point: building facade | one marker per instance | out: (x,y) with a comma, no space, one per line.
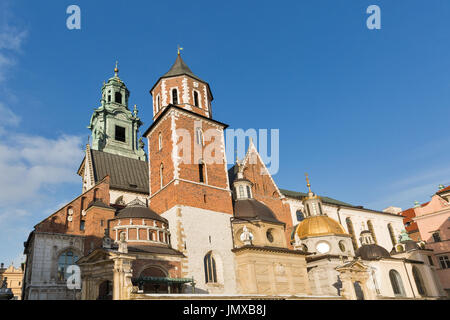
(177,220)
(433,226)
(13,278)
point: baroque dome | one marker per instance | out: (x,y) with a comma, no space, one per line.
(137,209)
(313,226)
(372,252)
(253,209)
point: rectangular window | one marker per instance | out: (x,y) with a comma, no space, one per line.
(82,225)
(444,262)
(120,134)
(430,260)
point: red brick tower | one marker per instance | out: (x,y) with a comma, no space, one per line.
(188,175)
(186,146)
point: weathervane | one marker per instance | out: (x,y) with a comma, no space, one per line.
(179,49)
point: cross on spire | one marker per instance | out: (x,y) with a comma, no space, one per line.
(116,69)
(307,182)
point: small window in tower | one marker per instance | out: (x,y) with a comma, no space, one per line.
(199,136)
(161,175)
(175,96)
(120,134)
(160,142)
(201,172)
(82,225)
(109,98)
(196,101)
(158,101)
(118,97)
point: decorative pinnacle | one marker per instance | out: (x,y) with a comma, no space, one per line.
(179,49)
(116,69)
(307,182)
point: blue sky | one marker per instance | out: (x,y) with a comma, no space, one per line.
(364,112)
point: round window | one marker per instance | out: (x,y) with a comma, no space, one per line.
(342,246)
(269,235)
(323,247)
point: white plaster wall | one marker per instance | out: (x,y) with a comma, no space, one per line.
(127,196)
(199,225)
(384,266)
(45,251)
(359,218)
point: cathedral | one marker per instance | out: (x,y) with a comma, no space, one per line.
(177,220)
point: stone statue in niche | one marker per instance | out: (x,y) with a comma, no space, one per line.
(246,236)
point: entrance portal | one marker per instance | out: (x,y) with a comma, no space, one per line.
(358,290)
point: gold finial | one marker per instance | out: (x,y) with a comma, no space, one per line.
(307,182)
(116,69)
(179,49)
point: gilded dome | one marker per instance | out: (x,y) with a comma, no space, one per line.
(314,226)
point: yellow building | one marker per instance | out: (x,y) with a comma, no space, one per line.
(14,278)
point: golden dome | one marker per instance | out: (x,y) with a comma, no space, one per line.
(319,226)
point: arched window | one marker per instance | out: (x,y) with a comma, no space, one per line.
(160,141)
(372,231)
(308,209)
(65,260)
(201,172)
(174,96)
(118,97)
(391,234)
(396,283)
(419,283)
(105,290)
(199,136)
(351,231)
(300,216)
(436,236)
(249,192)
(196,100)
(96,194)
(210,269)
(161,175)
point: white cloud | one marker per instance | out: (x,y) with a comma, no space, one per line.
(30,164)
(11,42)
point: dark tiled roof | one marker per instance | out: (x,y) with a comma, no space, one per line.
(140,212)
(180,68)
(301,195)
(154,249)
(125,173)
(253,209)
(99,203)
(372,252)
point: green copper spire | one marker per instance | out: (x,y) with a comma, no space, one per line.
(114,127)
